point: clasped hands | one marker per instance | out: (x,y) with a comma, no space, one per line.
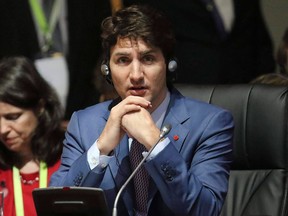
(131,116)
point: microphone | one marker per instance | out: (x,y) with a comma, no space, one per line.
(164,131)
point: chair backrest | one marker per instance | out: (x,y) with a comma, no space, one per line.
(258,184)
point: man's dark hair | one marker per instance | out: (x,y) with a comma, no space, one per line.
(139,22)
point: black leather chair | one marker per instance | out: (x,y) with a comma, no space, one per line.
(258,184)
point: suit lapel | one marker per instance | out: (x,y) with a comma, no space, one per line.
(176,115)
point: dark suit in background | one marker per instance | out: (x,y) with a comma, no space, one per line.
(204,58)
(18,37)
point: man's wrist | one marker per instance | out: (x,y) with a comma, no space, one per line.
(102,149)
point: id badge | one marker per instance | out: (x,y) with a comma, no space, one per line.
(54,70)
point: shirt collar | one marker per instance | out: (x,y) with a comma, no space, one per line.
(159,113)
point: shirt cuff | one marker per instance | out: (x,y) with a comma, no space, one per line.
(158,148)
(94,158)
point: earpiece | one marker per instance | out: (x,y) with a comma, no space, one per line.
(105,71)
(171,68)
(172,65)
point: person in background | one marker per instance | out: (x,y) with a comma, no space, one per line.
(280,77)
(282,54)
(218,41)
(271,79)
(76,36)
(30,134)
(187,172)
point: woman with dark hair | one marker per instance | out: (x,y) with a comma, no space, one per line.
(30,134)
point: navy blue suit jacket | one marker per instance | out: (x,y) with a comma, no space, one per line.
(188,177)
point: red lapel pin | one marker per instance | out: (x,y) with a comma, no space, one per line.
(175,137)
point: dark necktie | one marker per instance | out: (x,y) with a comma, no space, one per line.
(141,178)
(212,8)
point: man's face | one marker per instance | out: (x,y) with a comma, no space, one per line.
(138,69)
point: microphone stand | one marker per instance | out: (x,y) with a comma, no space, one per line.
(164,131)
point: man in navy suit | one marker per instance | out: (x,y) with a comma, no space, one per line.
(188,170)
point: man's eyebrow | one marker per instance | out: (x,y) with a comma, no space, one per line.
(142,53)
(146,52)
(121,54)
(12,113)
